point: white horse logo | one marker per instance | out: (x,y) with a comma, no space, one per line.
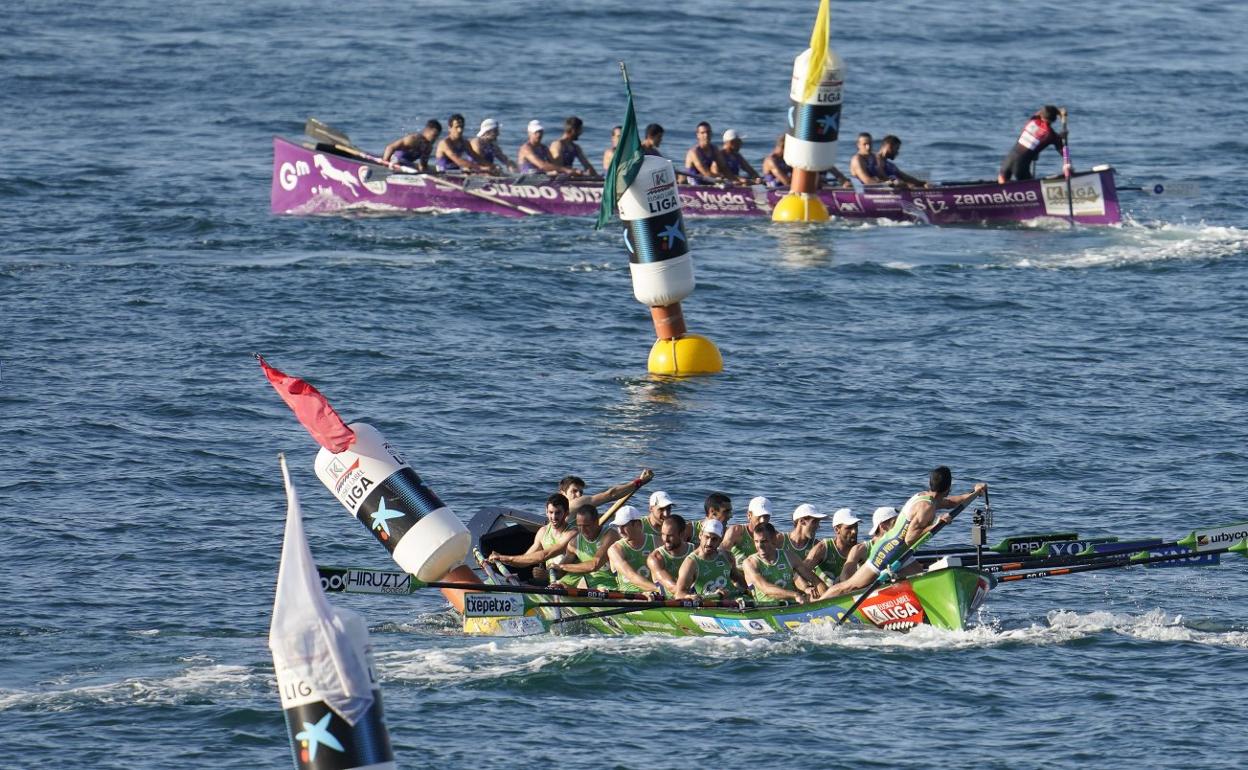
(343,178)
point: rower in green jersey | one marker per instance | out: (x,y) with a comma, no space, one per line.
(664,562)
(839,556)
(549,543)
(709,571)
(917,517)
(627,555)
(738,539)
(802,541)
(881,521)
(587,557)
(660,508)
(717,506)
(770,571)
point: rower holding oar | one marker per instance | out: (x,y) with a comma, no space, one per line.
(567,152)
(773,573)
(573,487)
(804,540)
(454,152)
(549,544)
(666,560)
(415,149)
(485,145)
(588,552)
(917,517)
(1036,135)
(628,554)
(837,557)
(709,571)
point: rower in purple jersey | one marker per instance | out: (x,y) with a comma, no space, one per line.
(454,152)
(734,164)
(414,149)
(485,145)
(567,152)
(534,156)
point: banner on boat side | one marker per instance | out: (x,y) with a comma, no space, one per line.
(1200,559)
(364,581)
(1220,537)
(1085,191)
(481,604)
(896,608)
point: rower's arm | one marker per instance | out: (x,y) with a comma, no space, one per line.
(693,161)
(658,570)
(956,500)
(738,576)
(817,554)
(620,566)
(808,575)
(685,578)
(526,154)
(747,168)
(617,491)
(594,564)
(536,554)
(755,578)
(860,173)
(580,154)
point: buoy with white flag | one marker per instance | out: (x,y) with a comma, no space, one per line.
(373,481)
(814,122)
(324,665)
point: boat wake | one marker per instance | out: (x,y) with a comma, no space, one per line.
(190,685)
(1143,243)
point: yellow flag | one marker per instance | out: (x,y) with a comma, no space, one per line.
(818,52)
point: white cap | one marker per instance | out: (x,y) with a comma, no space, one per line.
(714,526)
(731,134)
(626,514)
(487,125)
(535,126)
(660,499)
(807,511)
(844,516)
(759,506)
(881,515)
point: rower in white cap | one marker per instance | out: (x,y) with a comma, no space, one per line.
(709,571)
(661,505)
(628,554)
(485,145)
(803,539)
(534,156)
(881,521)
(739,540)
(841,555)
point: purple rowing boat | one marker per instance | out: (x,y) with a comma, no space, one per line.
(312,178)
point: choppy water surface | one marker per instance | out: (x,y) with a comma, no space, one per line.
(1094,377)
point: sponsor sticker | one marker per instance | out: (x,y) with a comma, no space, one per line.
(479,604)
(895,607)
(708,624)
(746,626)
(364,581)
(1220,537)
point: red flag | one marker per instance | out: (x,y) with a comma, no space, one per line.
(311,408)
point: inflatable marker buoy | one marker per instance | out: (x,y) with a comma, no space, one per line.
(371,479)
(815,123)
(662,269)
(320,738)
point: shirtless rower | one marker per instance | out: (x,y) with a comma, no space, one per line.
(534,156)
(709,572)
(773,573)
(414,149)
(739,540)
(661,506)
(837,557)
(889,147)
(627,555)
(665,561)
(609,153)
(732,165)
(916,518)
(485,145)
(587,552)
(454,152)
(573,487)
(549,543)
(702,158)
(775,171)
(803,540)
(567,152)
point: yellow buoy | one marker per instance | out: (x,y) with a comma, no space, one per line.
(687,355)
(800,207)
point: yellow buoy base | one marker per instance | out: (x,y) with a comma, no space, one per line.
(800,207)
(687,355)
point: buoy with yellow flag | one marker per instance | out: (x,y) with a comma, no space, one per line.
(643,189)
(814,121)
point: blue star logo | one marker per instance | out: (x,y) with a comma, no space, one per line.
(672,233)
(382,515)
(828,123)
(317,734)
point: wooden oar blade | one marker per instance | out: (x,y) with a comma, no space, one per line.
(323,132)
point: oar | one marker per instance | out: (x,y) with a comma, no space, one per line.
(617,505)
(1179,189)
(879,579)
(339,140)
(1008,546)
(1138,559)
(1066,169)
(728,604)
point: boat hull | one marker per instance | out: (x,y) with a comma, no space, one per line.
(308,180)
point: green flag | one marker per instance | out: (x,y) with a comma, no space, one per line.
(625,163)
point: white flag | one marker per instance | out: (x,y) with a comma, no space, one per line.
(309,635)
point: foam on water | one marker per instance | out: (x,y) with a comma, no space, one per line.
(1139,244)
(213,680)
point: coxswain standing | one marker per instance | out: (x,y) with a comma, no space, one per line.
(665,561)
(414,150)
(454,152)
(709,572)
(485,145)
(1039,133)
(567,152)
(917,517)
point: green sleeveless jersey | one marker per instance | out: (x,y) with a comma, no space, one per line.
(778,573)
(652,533)
(899,529)
(714,574)
(636,558)
(833,562)
(672,562)
(799,553)
(586,549)
(744,548)
(550,536)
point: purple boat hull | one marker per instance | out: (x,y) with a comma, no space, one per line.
(308,180)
